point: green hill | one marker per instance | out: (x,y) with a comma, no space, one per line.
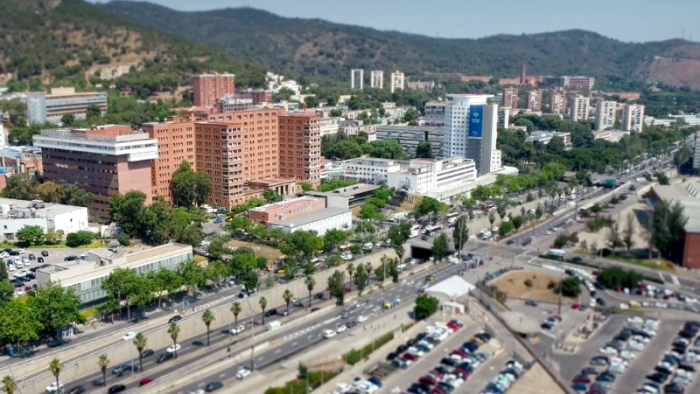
(311,47)
(72,42)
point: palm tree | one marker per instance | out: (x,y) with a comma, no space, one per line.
(351,270)
(236,309)
(103,363)
(207,318)
(522,211)
(10,384)
(140,342)
(174,331)
(56,367)
(287,296)
(310,283)
(491,219)
(263,305)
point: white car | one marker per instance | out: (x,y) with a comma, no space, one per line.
(237,330)
(624,306)
(21,251)
(52,387)
(4,255)
(358,381)
(346,256)
(200,391)
(343,387)
(83,255)
(173,348)
(329,334)
(242,373)
(367,387)
(608,350)
(340,329)
(547,232)
(129,336)
(627,355)
(361,319)
(635,320)
(415,351)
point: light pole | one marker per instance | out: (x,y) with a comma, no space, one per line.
(252,335)
(560,287)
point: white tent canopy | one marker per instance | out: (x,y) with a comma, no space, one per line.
(452,287)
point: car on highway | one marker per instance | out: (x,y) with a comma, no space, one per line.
(242,373)
(129,336)
(218,220)
(329,334)
(361,319)
(174,319)
(429,278)
(117,388)
(70,258)
(238,329)
(121,369)
(173,348)
(163,357)
(77,390)
(213,386)
(145,381)
(340,328)
(271,312)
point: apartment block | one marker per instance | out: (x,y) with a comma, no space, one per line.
(435,113)
(579,107)
(633,117)
(101,160)
(397,81)
(377,79)
(370,170)
(557,102)
(504,117)
(300,147)
(50,107)
(605,115)
(580,82)
(533,100)
(457,123)
(425,175)
(483,134)
(176,143)
(287,209)
(510,98)
(409,137)
(357,78)
(237,148)
(208,88)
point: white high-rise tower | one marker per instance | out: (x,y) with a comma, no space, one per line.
(397,81)
(377,79)
(357,76)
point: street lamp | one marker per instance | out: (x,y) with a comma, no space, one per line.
(252,335)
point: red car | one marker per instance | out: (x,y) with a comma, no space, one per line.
(435,374)
(347,289)
(581,379)
(436,390)
(456,323)
(428,380)
(460,352)
(145,381)
(409,356)
(574,306)
(557,317)
(463,372)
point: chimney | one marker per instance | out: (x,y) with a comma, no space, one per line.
(523,74)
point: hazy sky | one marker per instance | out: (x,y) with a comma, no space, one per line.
(627,20)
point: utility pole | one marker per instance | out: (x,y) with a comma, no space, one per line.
(560,287)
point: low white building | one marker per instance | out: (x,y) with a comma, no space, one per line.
(424,175)
(371,170)
(319,221)
(15,214)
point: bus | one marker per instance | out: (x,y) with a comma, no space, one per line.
(452,215)
(430,230)
(415,230)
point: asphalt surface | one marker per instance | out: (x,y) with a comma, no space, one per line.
(406,291)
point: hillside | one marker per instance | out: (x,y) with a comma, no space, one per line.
(316,47)
(72,42)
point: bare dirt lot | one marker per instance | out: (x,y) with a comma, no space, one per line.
(268,252)
(513,284)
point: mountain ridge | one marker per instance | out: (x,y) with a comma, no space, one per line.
(315,48)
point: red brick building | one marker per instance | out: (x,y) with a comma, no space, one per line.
(287,209)
(207,88)
(300,147)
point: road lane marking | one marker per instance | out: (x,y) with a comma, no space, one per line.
(222,375)
(294,343)
(200,385)
(279,350)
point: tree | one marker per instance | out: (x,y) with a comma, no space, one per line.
(80,238)
(263,304)
(30,235)
(311,101)
(287,297)
(216,271)
(140,342)
(616,276)
(190,188)
(506,228)
(351,269)
(333,238)
(164,280)
(193,275)
(460,234)
(4,276)
(492,219)
(561,241)
(236,309)
(310,282)
(429,206)
(440,248)
(571,287)
(337,288)
(361,276)
(55,367)
(18,322)
(251,281)
(614,240)
(68,119)
(425,306)
(174,331)
(628,232)
(208,318)
(7,291)
(123,284)
(56,307)
(22,186)
(424,150)
(272,196)
(336,113)
(9,384)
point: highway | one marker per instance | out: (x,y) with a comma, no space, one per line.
(406,291)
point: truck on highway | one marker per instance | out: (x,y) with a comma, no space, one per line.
(557,253)
(273,325)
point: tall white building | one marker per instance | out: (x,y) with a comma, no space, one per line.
(633,118)
(482,135)
(370,170)
(579,107)
(557,103)
(397,81)
(357,77)
(503,117)
(605,115)
(377,79)
(456,119)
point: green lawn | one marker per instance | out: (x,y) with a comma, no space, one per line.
(664,265)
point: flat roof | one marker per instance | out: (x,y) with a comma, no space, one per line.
(284,206)
(311,217)
(348,191)
(49,208)
(688,195)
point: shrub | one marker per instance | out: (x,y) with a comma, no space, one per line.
(551,285)
(528,283)
(124,239)
(74,240)
(354,356)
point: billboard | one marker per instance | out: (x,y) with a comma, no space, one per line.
(476,116)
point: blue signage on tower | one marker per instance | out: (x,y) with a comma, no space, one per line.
(476,115)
